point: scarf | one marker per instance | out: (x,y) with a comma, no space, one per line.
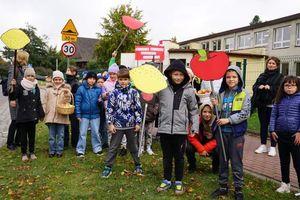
(28,85)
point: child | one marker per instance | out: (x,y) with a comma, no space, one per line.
(71,79)
(285,128)
(29,111)
(57,92)
(123,118)
(103,125)
(235,110)
(177,105)
(152,111)
(204,143)
(88,101)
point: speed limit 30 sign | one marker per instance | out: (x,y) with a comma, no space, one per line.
(68,49)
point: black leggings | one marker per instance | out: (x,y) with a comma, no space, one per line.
(13,137)
(173,146)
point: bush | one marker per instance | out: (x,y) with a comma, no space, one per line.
(43,71)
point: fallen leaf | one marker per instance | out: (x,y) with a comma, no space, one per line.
(121,190)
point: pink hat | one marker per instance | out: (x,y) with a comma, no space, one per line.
(114,68)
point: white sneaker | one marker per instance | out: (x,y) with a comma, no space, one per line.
(284,188)
(297,194)
(262,149)
(24,158)
(272,151)
(149,151)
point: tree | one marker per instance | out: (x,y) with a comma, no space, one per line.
(113,32)
(255,20)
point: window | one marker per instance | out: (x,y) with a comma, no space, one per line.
(261,38)
(285,69)
(244,41)
(216,45)
(298,69)
(298,35)
(205,45)
(229,43)
(282,37)
(239,64)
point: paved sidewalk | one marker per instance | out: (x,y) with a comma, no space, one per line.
(262,164)
(4,118)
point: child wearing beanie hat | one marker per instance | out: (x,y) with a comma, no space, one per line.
(88,102)
(57,92)
(29,111)
(57,74)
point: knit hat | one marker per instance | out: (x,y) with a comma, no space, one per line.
(58,74)
(99,76)
(114,68)
(91,75)
(29,71)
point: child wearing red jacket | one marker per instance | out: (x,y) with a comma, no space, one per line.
(204,143)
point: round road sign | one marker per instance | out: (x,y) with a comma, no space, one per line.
(68,49)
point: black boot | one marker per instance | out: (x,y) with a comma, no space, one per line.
(238,193)
(192,168)
(221,191)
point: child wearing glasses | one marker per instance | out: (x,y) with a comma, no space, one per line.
(285,129)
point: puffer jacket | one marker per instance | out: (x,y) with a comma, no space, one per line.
(124,107)
(177,109)
(285,115)
(53,96)
(86,101)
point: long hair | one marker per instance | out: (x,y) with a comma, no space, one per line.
(276,60)
(288,79)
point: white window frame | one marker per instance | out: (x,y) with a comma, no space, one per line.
(281,43)
(260,37)
(298,35)
(206,44)
(245,37)
(231,45)
(218,47)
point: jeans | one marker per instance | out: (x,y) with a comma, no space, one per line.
(287,148)
(95,137)
(264,115)
(56,138)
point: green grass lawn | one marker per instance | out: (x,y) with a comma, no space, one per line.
(72,178)
(253,123)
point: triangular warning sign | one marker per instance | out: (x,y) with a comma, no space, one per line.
(69,29)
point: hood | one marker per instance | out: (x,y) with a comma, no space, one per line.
(240,84)
(118,86)
(213,117)
(179,66)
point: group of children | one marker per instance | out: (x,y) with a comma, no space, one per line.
(178,122)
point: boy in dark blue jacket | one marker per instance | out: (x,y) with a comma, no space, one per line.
(123,118)
(87,104)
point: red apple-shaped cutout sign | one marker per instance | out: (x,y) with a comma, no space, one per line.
(211,66)
(132,23)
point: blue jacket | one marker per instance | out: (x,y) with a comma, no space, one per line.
(124,107)
(285,115)
(86,101)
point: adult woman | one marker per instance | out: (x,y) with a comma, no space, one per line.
(264,92)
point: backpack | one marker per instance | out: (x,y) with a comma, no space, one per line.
(4,87)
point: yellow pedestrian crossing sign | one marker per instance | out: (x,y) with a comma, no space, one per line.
(69,32)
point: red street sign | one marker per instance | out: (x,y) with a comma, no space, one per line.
(68,49)
(147,52)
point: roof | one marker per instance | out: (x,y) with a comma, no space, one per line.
(85,49)
(194,51)
(245,28)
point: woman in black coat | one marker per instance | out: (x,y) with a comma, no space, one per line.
(264,92)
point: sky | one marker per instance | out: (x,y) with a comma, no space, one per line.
(184,19)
